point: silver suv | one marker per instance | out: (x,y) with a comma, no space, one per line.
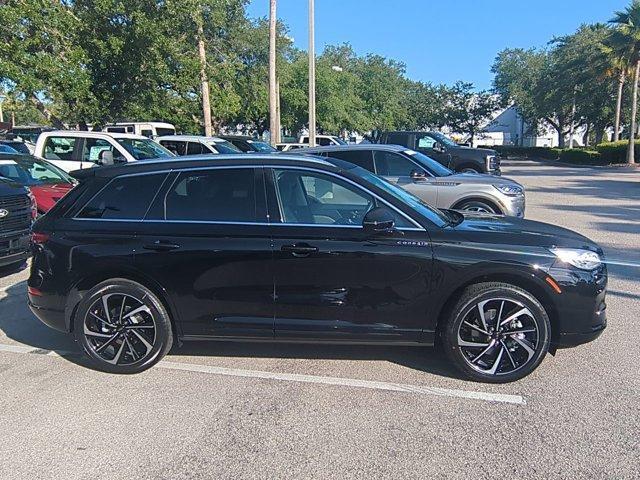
(432,182)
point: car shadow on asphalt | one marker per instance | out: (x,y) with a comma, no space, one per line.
(18,323)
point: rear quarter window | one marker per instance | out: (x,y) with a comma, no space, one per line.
(123,198)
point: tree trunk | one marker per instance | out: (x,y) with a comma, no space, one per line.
(599,134)
(585,137)
(634,110)
(204,79)
(273,103)
(616,130)
(47,113)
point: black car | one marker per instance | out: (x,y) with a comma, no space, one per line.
(263,247)
(247,144)
(447,152)
(17,145)
(17,209)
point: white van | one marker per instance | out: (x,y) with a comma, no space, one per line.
(146,129)
(74,150)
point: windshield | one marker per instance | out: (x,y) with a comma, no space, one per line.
(261,146)
(31,172)
(144,149)
(436,169)
(161,131)
(444,139)
(223,146)
(7,149)
(433,214)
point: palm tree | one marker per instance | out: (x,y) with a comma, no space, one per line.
(616,47)
(628,26)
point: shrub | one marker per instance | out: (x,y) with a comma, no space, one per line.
(581,156)
(616,152)
(544,153)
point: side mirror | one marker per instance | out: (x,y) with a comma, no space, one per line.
(378,220)
(438,147)
(418,176)
(106,157)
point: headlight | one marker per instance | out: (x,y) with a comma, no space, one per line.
(511,190)
(582,259)
(492,161)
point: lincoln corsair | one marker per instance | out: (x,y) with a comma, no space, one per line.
(140,256)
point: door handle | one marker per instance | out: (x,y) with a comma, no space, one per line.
(159,246)
(299,249)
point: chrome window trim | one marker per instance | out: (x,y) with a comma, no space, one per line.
(417,227)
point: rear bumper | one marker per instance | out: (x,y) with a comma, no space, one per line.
(52,318)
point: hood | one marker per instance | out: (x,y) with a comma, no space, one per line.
(480,179)
(8,187)
(480,152)
(516,232)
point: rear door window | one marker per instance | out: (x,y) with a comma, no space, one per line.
(390,164)
(94,147)
(217,195)
(362,158)
(124,198)
(175,146)
(196,148)
(60,148)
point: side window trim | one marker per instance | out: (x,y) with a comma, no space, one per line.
(359,187)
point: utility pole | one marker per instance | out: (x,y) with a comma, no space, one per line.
(278,118)
(273,104)
(204,79)
(312,77)
(573,118)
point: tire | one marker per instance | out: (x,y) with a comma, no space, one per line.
(478,206)
(469,170)
(517,349)
(135,333)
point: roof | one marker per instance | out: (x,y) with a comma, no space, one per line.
(190,138)
(203,161)
(150,122)
(75,133)
(239,137)
(360,146)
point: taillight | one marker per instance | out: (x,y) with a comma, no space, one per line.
(34,206)
(39,238)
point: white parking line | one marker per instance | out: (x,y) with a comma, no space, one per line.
(313,379)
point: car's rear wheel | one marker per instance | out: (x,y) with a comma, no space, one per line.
(123,327)
(469,170)
(479,206)
(496,333)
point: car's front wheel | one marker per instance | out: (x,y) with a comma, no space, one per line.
(478,206)
(123,327)
(496,333)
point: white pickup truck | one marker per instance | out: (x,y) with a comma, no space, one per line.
(74,150)
(323,140)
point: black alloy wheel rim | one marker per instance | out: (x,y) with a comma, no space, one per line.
(498,336)
(120,329)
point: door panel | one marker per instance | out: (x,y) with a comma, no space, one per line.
(333,281)
(219,275)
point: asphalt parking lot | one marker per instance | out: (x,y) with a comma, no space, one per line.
(216,410)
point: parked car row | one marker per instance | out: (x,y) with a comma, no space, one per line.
(304,248)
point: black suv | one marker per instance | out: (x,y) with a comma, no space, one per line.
(17,208)
(447,152)
(303,249)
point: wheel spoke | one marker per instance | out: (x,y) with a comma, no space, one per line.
(530,351)
(475,327)
(133,352)
(115,359)
(105,306)
(481,312)
(102,320)
(482,353)
(124,300)
(519,313)
(107,343)
(142,308)
(96,334)
(143,340)
(526,330)
(499,314)
(464,343)
(508,354)
(496,364)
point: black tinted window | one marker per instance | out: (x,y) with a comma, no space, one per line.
(177,147)
(221,195)
(362,158)
(124,198)
(196,148)
(391,164)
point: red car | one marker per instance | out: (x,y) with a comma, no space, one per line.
(47,183)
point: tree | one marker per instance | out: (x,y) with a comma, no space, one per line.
(627,23)
(468,111)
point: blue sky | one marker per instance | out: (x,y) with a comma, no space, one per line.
(440,41)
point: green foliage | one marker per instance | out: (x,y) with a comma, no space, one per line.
(616,152)
(543,153)
(582,157)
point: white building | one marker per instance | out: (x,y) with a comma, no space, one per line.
(509,128)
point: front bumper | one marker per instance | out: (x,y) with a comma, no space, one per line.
(581,307)
(513,206)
